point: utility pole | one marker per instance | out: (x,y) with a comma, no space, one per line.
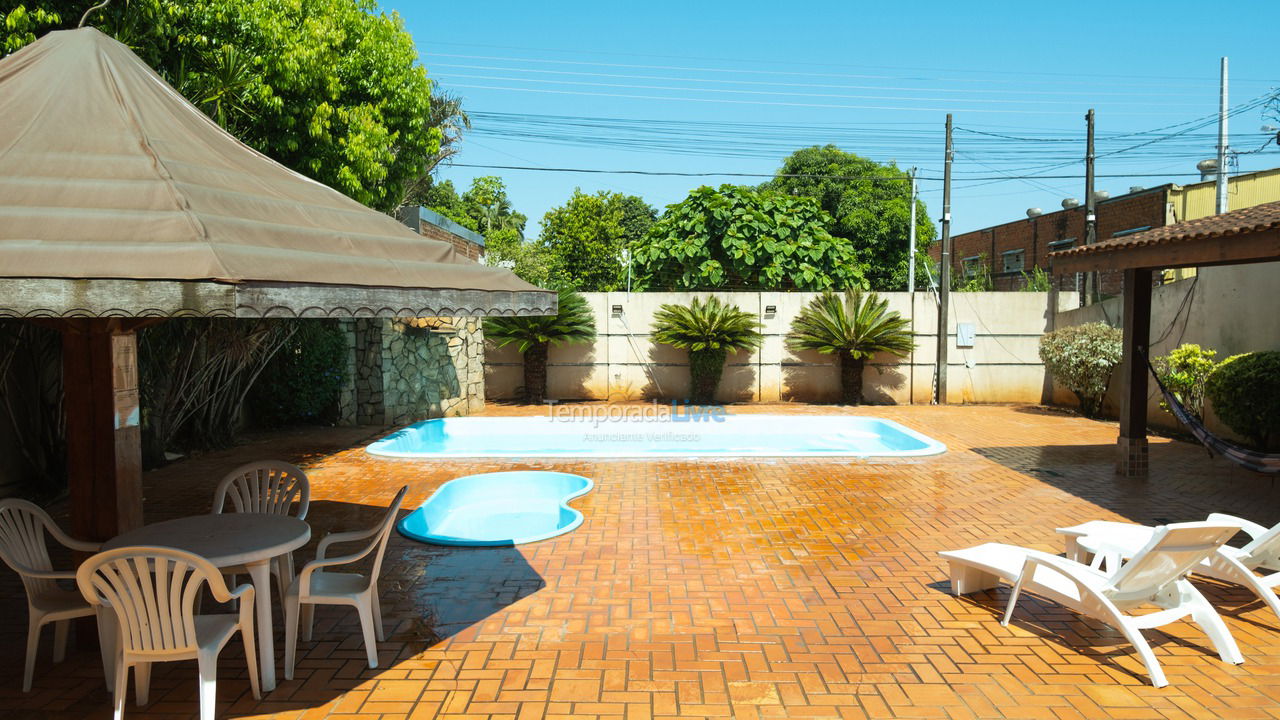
(1222,141)
(911,239)
(944,275)
(1090,210)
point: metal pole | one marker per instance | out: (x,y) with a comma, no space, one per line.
(944,275)
(1222,141)
(911,242)
(1090,210)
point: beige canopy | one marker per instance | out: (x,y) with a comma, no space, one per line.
(118,197)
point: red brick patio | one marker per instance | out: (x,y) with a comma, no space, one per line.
(752,589)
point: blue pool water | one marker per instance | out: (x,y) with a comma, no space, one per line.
(637,437)
(505,508)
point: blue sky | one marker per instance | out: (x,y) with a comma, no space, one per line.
(717,87)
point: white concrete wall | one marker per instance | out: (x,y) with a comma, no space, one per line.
(1232,309)
(623,364)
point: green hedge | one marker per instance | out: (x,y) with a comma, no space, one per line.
(1245,392)
(301,383)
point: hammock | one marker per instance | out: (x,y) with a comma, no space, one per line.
(1268,463)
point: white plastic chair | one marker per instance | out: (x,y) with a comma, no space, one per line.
(1155,576)
(269,487)
(22,547)
(150,593)
(1255,566)
(318,585)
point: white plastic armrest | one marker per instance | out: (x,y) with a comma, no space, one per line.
(46,574)
(1253,529)
(304,577)
(342,537)
(1067,568)
(70,542)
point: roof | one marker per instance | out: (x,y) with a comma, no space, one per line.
(1250,234)
(111,182)
(414,214)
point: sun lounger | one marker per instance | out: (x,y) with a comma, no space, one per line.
(1156,575)
(1255,566)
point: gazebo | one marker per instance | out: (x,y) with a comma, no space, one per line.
(121,204)
(1242,236)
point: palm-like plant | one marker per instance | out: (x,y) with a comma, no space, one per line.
(533,335)
(854,327)
(709,330)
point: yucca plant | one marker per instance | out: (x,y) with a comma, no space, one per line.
(709,330)
(854,327)
(533,335)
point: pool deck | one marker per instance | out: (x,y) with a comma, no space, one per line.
(760,588)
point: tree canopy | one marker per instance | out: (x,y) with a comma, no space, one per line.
(869,203)
(585,237)
(330,88)
(739,237)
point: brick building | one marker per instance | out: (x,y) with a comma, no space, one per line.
(432,224)
(1010,249)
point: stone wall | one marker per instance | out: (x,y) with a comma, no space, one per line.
(404,370)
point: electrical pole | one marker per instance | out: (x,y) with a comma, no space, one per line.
(944,275)
(911,239)
(1090,210)
(1222,141)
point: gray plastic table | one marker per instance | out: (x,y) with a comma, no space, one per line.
(228,539)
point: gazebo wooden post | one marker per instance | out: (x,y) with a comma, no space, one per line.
(104,436)
(1132,455)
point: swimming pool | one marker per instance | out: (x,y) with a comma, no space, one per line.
(503,508)
(720,435)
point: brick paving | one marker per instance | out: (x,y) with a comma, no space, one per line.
(757,588)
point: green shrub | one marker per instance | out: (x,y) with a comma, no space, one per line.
(1184,372)
(1036,281)
(1245,391)
(709,330)
(302,381)
(1081,358)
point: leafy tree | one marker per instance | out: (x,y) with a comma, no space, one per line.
(574,322)
(734,237)
(709,330)
(586,237)
(1082,358)
(870,204)
(330,88)
(448,116)
(854,328)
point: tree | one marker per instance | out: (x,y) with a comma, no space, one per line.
(448,116)
(736,237)
(709,330)
(586,237)
(534,335)
(330,88)
(854,328)
(870,204)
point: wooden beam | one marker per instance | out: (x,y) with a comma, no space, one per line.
(1201,252)
(1131,448)
(104,439)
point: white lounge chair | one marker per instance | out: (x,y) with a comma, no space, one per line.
(23,548)
(150,593)
(317,584)
(1255,566)
(1156,575)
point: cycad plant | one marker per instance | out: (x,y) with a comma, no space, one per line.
(709,330)
(533,335)
(853,327)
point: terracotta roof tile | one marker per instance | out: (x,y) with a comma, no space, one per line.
(1247,220)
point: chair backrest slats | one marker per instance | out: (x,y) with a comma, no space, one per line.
(23,543)
(388,521)
(267,487)
(1266,547)
(152,591)
(1173,551)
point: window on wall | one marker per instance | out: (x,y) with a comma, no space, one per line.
(972,265)
(1130,231)
(1063,244)
(1012,261)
